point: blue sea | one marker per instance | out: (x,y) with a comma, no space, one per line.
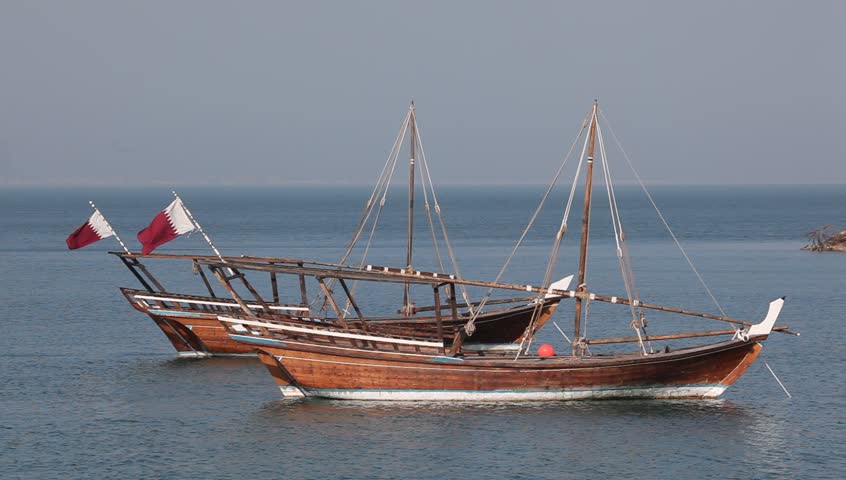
(90,388)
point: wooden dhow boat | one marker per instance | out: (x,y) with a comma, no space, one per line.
(353,363)
(191,322)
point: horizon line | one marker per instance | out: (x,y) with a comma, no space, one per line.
(359,185)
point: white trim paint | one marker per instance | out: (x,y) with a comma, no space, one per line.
(290,391)
(263,340)
(330,333)
(219,304)
(686,391)
(193,354)
(198,354)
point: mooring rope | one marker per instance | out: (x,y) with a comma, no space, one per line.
(777,380)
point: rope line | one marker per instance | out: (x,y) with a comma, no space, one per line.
(528,335)
(439,214)
(661,216)
(625,267)
(532,220)
(380,189)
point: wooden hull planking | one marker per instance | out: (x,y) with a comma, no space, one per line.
(703,372)
(199,336)
(197,332)
(193,333)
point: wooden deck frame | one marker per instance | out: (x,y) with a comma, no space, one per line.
(199,269)
(397,275)
(134,266)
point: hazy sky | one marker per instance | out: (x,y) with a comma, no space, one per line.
(249,92)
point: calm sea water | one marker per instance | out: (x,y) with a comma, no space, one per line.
(90,388)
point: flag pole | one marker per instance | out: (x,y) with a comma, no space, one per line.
(110,227)
(196,224)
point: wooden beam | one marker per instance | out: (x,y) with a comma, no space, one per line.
(412,140)
(583,247)
(674,336)
(225,281)
(625,301)
(247,258)
(451,305)
(131,266)
(140,266)
(274,287)
(452,301)
(331,300)
(438,320)
(205,279)
(352,302)
(460,335)
(254,292)
(303,292)
(378,274)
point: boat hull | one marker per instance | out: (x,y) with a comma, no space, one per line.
(193,333)
(199,336)
(703,372)
(197,332)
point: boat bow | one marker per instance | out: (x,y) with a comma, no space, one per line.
(765,327)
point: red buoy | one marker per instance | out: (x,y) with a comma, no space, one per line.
(546,350)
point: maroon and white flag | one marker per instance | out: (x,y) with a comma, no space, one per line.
(95,229)
(170,223)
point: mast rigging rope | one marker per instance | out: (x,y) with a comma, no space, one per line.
(531,222)
(626,269)
(661,216)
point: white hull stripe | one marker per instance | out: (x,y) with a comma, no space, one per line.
(180,313)
(289,391)
(330,333)
(473,347)
(279,343)
(218,304)
(193,354)
(682,391)
(198,354)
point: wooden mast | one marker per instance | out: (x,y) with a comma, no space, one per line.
(585,232)
(406,298)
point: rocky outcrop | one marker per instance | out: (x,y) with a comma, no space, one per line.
(824,240)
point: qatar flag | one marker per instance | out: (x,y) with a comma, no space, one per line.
(95,229)
(170,223)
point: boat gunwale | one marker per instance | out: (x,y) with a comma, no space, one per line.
(422,319)
(509,363)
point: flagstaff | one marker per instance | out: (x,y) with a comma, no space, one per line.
(109,225)
(199,227)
